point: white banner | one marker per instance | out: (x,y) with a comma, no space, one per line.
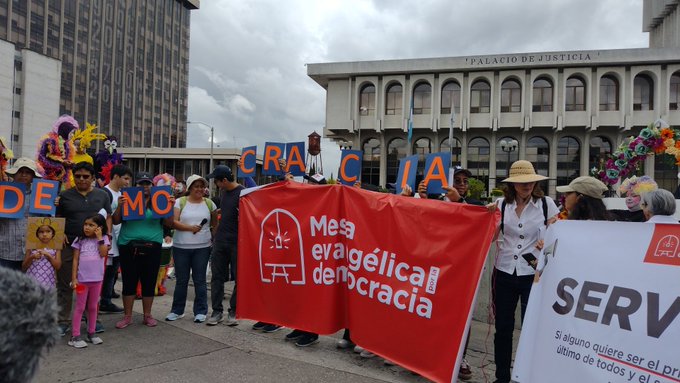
(607,306)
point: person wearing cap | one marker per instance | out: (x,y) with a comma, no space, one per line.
(139,245)
(13,231)
(525,213)
(583,199)
(194,216)
(75,205)
(224,249)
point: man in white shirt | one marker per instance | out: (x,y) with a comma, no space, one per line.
(121,176)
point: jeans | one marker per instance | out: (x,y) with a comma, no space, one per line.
(110,275)
(14,265)
(194,262)
(64,290)
(507,289)
(223,255)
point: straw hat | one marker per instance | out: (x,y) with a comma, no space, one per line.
(522,172)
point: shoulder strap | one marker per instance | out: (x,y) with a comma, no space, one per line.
(545,211)
(502,216)
(210,204)
(182,203)
(109,193)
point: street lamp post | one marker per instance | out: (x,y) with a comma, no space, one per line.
(212,147)
(508,146)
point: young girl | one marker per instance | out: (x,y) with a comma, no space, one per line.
(42,264)
(89,260)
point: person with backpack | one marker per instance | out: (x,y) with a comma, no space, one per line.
(525,214)
(195,215)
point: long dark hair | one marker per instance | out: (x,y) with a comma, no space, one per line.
(510,194)
(589,208)
(100,221)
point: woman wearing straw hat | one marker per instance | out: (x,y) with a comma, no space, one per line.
(525,213)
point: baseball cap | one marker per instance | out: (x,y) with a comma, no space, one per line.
(316,179)
(143,177)
(586,185)
(221,171)
(460,169)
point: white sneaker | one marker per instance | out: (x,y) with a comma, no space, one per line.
(358,349)
(367,354)
(94,339)
(200,318)
(344,344)
(231,319)
(77,343)
(173,317)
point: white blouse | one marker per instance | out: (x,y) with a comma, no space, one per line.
(520,235)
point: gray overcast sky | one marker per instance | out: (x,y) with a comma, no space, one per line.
(247,66)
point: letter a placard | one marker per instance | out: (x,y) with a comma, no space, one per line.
(436,166)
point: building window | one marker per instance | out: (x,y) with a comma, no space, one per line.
(543,96)
(643,93)
(445,147)
(511,96)
(450,96)
(505,158)
(600,147)
(393,100)
(576,95)
(422,147)
(568,160)
(665,172)
(480,97)
(674,96)
(370,166)
(478,159)
(538,153)
(422,98)
(396,150)
(367,100)
(609,93)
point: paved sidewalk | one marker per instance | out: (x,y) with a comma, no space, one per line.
(184,351)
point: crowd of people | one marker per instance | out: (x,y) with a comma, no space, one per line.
(98,244)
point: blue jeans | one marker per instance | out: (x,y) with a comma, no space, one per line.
(194,261)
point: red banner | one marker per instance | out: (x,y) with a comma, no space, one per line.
(400,273)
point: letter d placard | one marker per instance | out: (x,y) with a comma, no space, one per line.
(12,195)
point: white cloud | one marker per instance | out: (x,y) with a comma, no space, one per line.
(247,65)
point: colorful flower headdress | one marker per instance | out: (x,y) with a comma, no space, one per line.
(87,135)
(164,179)
(638,185)
(656,138)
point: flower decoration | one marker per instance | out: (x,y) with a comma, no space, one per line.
(657,138)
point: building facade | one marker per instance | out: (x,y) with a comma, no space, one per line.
(565,110)
(123,64)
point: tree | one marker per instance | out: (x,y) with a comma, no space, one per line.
(476,188)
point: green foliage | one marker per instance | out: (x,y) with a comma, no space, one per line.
(476,188)
(496,192)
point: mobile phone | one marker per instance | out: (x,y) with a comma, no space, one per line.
(531,260)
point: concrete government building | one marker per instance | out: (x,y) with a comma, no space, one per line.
(120,64)
(565,110)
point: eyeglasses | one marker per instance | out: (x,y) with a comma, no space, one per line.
(461,181)
(81,176)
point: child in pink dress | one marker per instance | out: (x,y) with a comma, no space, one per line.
(89,260)
(42,264)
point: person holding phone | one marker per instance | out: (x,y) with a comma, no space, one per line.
(525,213)
(194,216)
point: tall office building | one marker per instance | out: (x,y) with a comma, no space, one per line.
(123,65)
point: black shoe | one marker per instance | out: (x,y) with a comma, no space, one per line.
(260,325)
(307,340)
(115,295)
(271,328)
(295,334)
(110,308)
